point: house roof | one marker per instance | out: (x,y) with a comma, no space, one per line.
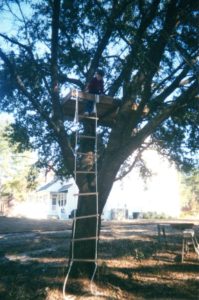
(56,186)
(64,188)
(47,186)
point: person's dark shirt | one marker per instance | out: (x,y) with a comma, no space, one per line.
(96,86)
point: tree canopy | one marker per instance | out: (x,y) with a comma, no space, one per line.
(190,193)
(149,53)
(148,50)
(16,168)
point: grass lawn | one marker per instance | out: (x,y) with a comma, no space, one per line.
(132,263)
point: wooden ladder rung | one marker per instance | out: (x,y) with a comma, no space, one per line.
(86,217)
(85,153)
(84,260)
(85,172)
(85,239)
(86,194)
(88,117)
(82,136)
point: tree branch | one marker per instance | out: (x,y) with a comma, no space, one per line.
(126,71)
(23,89)
(14,41)
(135,141)
(150,127)
(54,59)
(159,99)
(29,50)
(187,59)
(57,128)
(64,78)
(117,11)
(24,20)
(131,167)
(11,11)
(168,78)
(157,49)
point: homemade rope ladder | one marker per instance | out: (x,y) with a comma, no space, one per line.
(77,172)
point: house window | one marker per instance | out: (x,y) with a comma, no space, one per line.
(62,199)
(54,201)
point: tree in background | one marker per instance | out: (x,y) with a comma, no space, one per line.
(190,193)
(149,52)
(16,168)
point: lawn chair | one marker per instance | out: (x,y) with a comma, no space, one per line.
(189,239)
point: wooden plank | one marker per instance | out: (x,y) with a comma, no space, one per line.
(107,107)
(87,96)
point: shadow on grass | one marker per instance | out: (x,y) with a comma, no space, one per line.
(154,289)
(127,247)
(32,280)
(29,281)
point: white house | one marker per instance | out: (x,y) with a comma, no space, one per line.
(56,199)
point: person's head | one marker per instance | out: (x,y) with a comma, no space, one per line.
(99,74)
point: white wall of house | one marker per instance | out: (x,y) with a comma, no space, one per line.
(49,201)
(58,203)
(71,199)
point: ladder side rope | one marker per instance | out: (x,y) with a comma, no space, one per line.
(96,189)
(76,121)
(75,162)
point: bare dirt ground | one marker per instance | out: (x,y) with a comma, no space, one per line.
(133,263)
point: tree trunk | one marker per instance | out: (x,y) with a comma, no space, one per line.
(89,228)
(85,235)
(86,249)
(83,252)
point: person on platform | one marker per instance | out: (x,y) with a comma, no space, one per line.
(95,86)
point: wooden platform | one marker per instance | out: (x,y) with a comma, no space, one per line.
(107,107)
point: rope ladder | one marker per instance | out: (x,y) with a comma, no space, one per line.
(78,172)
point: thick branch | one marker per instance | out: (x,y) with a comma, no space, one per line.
(148,129)
(162,83)
(190,61)
(126,71)
(156,51)
(29,51)
(130,144)
(133,164)
(58,129)
(14,41)
(23,89)
(117,11)
(63,78)
(54,58)
(159,99)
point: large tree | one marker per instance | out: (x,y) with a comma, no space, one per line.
(148,50)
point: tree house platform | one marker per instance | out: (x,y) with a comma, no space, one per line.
(107,107)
